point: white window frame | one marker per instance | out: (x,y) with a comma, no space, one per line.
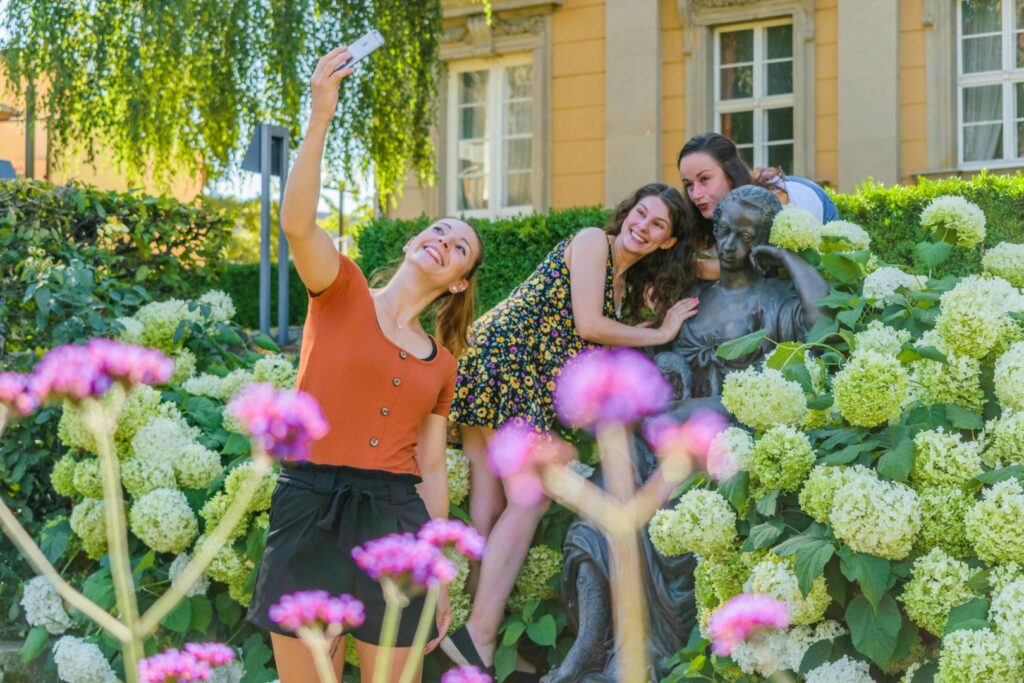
(1007,77)
(495,126)
(760,103)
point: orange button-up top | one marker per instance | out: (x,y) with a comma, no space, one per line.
(374,394)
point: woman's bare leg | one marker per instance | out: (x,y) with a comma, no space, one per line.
(486,495)
(295,663)
(368,659)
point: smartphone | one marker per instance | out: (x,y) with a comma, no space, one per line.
(362,48)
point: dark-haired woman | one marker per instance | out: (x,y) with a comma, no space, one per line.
(710,165)
(589,290)
(385,386)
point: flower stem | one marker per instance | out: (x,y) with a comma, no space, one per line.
(319,647)
(211,546)
(412,663)
(394,602)
(102,423)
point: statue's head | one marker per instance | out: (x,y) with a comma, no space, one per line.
(743,220)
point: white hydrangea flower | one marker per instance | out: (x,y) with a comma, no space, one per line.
(457,463)
(184,366)
(701,522)
(880,338)
(1009,378)
(203,385)
(163,438)
(886,280)
(132,332)
(938,584)
(729,453)
(261,499)
(1007,611)
(163,520)
(774,576)
(277,370)
(782,650)
(876,517)
(762,399)
(197,467)
(178,566)
(795,229)
(142,474)
(972,316)
(870,389)
(231,672)
(81,662)
(87,478)
(1005,260)
(1004,440)
(943,459)
(222,307)
(44,607)
(88,522)
(142,404)
(233,383)
(994,523)
(1004,574)
(957,381)
(160,320)
(844,670)
(845,236)
(955,220)
(981,655)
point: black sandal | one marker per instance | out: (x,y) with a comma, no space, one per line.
(459,647)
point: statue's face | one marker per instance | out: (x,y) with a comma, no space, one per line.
(735,236)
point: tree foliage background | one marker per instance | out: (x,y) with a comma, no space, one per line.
(177,86)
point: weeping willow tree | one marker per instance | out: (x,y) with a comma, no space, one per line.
(177,86)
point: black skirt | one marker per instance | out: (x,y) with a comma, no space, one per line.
(318,513)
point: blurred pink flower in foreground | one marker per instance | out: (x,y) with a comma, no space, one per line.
(214,654)
(173,666)
(14,393)
(282,421)
(89,370)
(671,438)
(443,533)
(466,674)
(317,609)
(516,453)
(601,387)
(404,559)
(743,616)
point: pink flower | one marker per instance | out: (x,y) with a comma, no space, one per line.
(77,372)
(517,452)
(282,421)
(15,394)
(600,387)
(443,533)
(466,674)
(173,666)
(317,609)
(405,559)
(214,654)
(741,617)
(670,438)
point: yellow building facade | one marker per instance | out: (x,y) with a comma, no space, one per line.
(578,102)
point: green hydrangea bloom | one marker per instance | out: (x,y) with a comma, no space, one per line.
(163,438)
(795,229)
(1004,574)
(1007,611)
(885,280)
(213,510)
(821,485)
(763,399)
(261,499)
(975,656)
(1005,443)
(140,475)
(204,385)
(880,338)
(277,370)
(843,669)
(239,593)
(781,459)
(160,320)
(222,306)
(1009,378)
(197,467)
(228,565)
(938,583)
(958,381)
(163,520)
(543,563)
(62,476)
(89,524)
(701,522)
(233,383)
(460,599)
(774,576)
(942,459)
(994,523)
(1005,260)
(457,464)
(87,478)
(972,316)
(876,517)
(131,332)
(184,366)
(844,236)
(955,220)
(870,389)
(943,510)
(719,578)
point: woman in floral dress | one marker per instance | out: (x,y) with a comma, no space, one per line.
(591,289)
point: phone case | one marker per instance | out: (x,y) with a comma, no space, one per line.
(363,48)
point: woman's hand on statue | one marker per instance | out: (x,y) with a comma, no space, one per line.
(324,82)
(680,312)
(443,618)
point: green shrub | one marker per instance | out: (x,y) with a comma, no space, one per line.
(242,282)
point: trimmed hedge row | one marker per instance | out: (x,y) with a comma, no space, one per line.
(242,282)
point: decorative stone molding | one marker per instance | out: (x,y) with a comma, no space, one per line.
(699,19)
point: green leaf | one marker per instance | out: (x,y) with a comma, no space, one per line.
(202,613)
(823,329)
(255,656)
(265,342)
(1001,474)
(37,640)
(512,633)
(228,611)
(529,609)
(836,299)
(764,534)
(911,353)
(969,616)
(543,631)
(815,656)
(99,587)
(504,662)
(932,254)
(961,418)
(848,454)
(204,411)
(768,503)
(927,672)
(906,639)
(227,335)
(784,354)
(53,540)
(979,583)
(144,563)
(811,559)
(797,372)
(237,444)
(179,618)
(872,573)
(850,318)
(741,346)
(896,463)
(842,268)
(735,490)
(874,632)
(821,402)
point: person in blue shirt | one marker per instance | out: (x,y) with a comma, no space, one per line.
(710,166)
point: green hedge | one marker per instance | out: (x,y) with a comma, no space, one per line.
(514,246)
(242,282)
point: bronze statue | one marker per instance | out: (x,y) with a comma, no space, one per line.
(745,300)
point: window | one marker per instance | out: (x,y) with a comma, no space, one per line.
(990,83)
(491,117)
(754,91)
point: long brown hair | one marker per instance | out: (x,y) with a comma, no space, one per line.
(455,312)
(665,276)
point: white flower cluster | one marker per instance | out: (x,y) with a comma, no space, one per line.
(955,220)
(774,576)
(844,669)
(729,453)
(870,389)
(88,522)
(994,523)
(1005,260)
(701,522)
(203,385)
(79,661)
(782,650)
(161,319)
(943,459)
(1009,378)
(178,567)
(277,370)
(972,316)
(184,366)
(457,463)
(957,381)
(844,236)
(222,307)
(795,229)
(44,607)
(885,280)
(981,655)
(938,584)
(1005,440)
(543,563)
(880,338)
(782,458)
(876,517)
(163,520)
(1007,611)
(762,399)
(820,488)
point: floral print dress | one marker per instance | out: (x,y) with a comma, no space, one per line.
(519,346)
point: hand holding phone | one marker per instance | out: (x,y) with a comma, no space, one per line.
(362,48)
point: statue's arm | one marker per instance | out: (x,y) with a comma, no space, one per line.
(809,284)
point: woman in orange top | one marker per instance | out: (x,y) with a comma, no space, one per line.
(385,386)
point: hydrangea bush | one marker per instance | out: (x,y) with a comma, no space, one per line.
(890,523)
